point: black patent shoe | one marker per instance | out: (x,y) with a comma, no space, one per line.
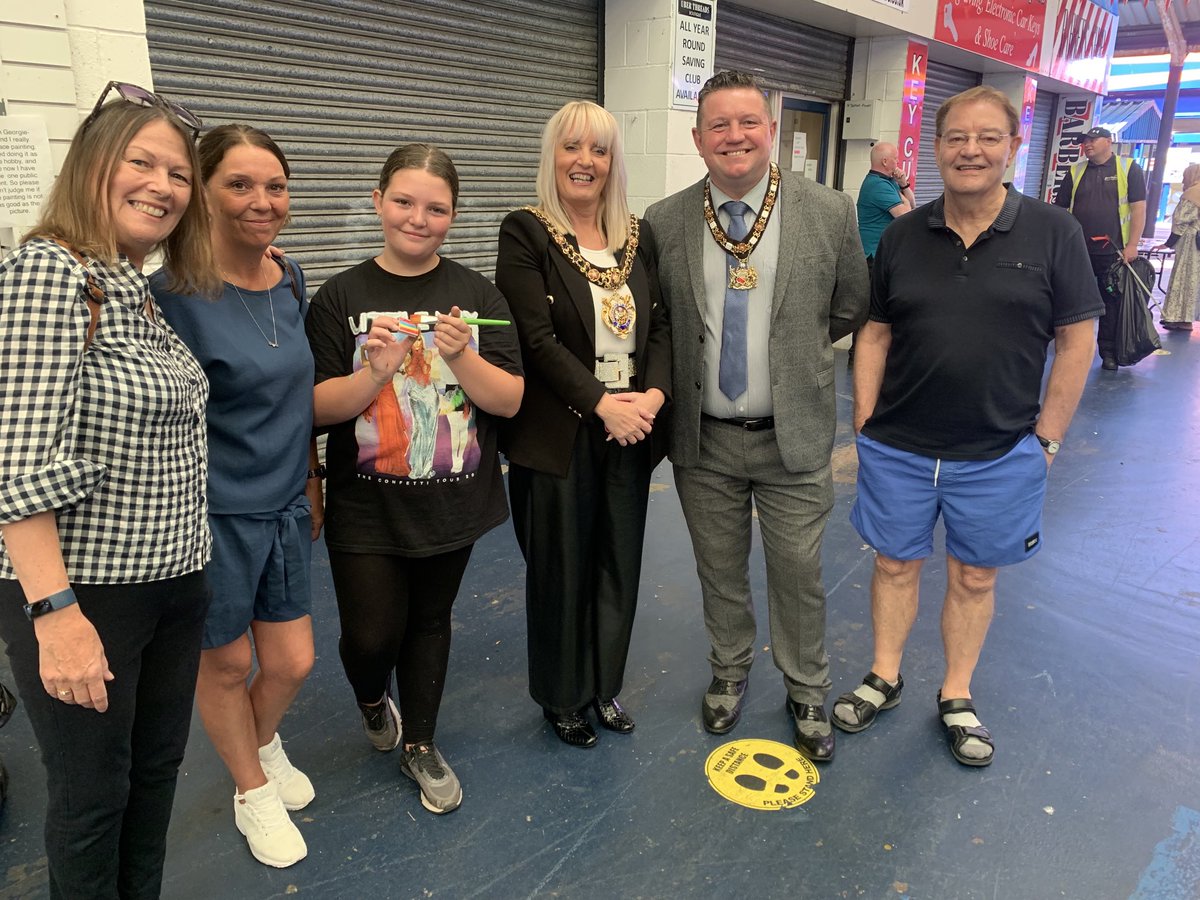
(817,747)
(612,716)
(572,728)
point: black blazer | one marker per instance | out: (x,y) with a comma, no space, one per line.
(551,302)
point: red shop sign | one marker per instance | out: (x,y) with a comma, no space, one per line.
(1007,30)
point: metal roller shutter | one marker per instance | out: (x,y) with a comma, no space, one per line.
(1039,143)
(340,83)
(941,83)
(788,56)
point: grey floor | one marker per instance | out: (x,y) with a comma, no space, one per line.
(1089,683)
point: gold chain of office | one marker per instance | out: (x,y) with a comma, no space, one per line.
(609,279)
(742,250)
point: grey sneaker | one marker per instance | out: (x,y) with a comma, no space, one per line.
(440,790)
(381,722)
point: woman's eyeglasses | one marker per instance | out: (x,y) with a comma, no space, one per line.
(131,93)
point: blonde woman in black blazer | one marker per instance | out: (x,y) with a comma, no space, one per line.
(578,273)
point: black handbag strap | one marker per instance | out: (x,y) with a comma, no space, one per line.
(291,268)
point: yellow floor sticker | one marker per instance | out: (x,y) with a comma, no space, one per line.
(761,774)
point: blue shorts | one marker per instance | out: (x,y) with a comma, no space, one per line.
(259,571)
(992,509)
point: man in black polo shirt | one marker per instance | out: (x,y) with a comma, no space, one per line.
(967,293)
(1107,194)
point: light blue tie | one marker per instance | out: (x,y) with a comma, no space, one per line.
(732,375)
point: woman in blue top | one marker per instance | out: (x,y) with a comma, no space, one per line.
(251,342)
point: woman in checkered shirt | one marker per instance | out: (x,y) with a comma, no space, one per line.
(102,490)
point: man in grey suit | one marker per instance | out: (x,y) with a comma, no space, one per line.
(761,271)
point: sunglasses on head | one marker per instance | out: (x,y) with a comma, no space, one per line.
(131,93)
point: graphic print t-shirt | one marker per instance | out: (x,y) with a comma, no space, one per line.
(416,472)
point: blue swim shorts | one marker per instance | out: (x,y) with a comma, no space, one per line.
(992,509)
(259,571)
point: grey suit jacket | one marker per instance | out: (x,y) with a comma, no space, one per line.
(821,294)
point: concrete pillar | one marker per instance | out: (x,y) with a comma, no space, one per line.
(1012,85)
(877,74)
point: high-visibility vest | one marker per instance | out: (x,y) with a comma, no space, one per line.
(1123,164)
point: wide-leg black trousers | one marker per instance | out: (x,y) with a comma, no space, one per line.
(582,540)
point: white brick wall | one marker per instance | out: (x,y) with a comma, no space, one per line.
(57,55)
(659,152)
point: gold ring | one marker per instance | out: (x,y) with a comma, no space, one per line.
(66,693)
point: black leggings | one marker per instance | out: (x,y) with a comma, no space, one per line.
(395,614)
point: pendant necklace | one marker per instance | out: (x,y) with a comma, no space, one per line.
(743,276)
(272,341)
(617,309)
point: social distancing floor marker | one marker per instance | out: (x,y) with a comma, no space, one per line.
(761,774)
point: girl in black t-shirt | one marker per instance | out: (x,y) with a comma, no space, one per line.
(409,491)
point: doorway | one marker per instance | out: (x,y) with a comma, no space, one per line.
(804,137)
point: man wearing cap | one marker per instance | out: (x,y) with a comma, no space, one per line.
(886,194)
(1107,194)
(761,271)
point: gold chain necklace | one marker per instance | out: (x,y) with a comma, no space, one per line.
(609,279)
(744,276)
(617,309)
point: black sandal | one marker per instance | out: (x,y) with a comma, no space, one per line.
(865,709)
(960,734)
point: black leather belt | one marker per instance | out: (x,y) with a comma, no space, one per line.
(760,424)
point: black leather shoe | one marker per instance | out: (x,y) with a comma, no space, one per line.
(1108,364)
(722,705)
(572,729)
(612,716)
(818,748)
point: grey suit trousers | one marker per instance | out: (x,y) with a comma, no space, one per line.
(739,469)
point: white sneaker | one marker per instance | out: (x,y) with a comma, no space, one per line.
(273,839)
(295,790)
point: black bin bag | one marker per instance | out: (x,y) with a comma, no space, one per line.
(1136,336)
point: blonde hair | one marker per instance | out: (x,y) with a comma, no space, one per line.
(1191,175)
(78,209)
(577,120)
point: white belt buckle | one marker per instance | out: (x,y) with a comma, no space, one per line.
(614,370)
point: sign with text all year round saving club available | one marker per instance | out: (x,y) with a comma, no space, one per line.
(695,27)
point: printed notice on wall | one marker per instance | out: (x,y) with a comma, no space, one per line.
(25,169)
(799,151)
(695,40)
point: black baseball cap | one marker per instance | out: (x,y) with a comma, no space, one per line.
(1096,132)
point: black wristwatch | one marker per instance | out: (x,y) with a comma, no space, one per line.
(59,600)
(1048,445)
(318,472)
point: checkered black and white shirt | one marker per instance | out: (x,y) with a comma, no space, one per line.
(113,438)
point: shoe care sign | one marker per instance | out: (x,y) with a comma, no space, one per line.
(1007,30)
(761,774)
